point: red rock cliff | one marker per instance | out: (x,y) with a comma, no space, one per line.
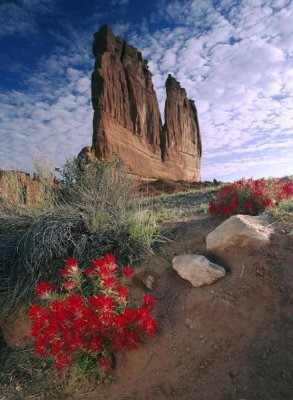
(181,141)
(27,190)
(127,119)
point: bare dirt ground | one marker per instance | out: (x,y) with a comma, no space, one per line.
(232,340)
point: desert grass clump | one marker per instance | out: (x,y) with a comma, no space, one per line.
(11,190)
(24,375)
(100,191)
(92,217)
(47,190)
(282,208)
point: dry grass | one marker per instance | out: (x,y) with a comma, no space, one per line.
(180,206)
(23,375)
(14,199)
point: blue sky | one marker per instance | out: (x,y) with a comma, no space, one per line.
(234,57)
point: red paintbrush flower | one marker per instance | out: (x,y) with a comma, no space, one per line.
(69,285)
(95,320)
(148,300)
(71,267)
(44,288)
(122,292)
(127,270)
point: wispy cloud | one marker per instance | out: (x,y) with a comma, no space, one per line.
(119,2)
(236,61)
(234,58)
(21,17)
(121,28)
(54,116)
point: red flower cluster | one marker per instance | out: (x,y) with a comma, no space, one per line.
(91,317)
(44,289)
(249,196)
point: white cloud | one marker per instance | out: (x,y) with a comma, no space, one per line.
(21,18)
(13,19)
(239,72)
(120,29)
(119,2)
(235,59)
(54,117)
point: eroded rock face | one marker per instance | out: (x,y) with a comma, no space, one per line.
(127,120)
(181,136)
(86,155)
(29,186)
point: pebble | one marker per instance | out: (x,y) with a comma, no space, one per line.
(189,323)
(203,365)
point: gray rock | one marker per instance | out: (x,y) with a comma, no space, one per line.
(196,269)
(240,230)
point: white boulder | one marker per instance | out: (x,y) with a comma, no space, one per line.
(197,269)
(240,230)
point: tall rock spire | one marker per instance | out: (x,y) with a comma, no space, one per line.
(181,130)
(127,119)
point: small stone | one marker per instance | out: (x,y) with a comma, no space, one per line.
(189,323)
(203,365)
(148,281)
(196,269)
(290,235)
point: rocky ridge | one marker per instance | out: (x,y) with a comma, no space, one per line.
(29,185)
(127,120)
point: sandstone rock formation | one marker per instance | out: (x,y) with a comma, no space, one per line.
(197,269)
(86,155)
(240,230)
(181,140)
(9,188)
(127,120)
